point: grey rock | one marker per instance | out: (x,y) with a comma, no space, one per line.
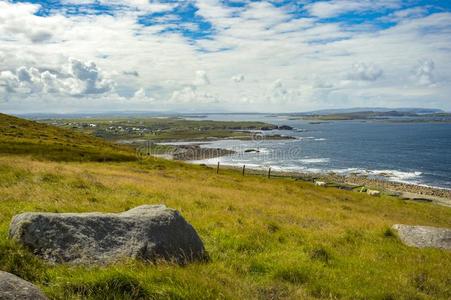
(15,288)
(148,232)
(424,236)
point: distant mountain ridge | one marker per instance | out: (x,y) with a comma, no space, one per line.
(407,110)
(411,110)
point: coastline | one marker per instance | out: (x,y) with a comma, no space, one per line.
(194,152)
(404,191)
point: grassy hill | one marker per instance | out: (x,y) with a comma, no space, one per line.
(19,136)
(268,239)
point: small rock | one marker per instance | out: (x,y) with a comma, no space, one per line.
(373,193)
(285,127)
(15,288)
(251,151)
(148,232)
(424,236)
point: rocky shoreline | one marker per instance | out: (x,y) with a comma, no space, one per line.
(393,185)
(387,186)
(404,191)
(196,152)
(193,152)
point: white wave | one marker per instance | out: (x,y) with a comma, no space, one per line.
(314,160)
(320,139)
(396,175)
(263,150)
(391,175)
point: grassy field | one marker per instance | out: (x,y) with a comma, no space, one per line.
(267,239)
(41,141)
(160,129)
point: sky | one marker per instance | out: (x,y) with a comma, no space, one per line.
(67,56)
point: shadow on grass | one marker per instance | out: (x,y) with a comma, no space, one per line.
(111,286)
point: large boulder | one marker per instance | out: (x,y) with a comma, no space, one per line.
(424,236)
(15,288)
(149,232)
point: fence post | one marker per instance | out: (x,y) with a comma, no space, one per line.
(269,173)
(217,168)
(244,168)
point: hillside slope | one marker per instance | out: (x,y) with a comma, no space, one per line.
(267,238)
(19,136)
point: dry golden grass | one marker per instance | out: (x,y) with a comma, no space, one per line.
(45,142)
(268,239)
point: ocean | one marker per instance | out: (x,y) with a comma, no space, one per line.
(417,153)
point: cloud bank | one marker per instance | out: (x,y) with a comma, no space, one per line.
(218,56)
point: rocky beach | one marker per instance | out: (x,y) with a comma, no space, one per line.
(354,182)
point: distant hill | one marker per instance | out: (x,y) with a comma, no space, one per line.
(404,116)
(373,109)
(19,136)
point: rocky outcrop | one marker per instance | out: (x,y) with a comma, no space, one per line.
(285,127)
(424,236)
(148,232)
(196,152)
(15,288)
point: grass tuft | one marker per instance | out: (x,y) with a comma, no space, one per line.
(388,232)
(108,287)
(320,254)
(19,261)
(293,275)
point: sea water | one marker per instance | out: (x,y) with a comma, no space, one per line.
(409,152)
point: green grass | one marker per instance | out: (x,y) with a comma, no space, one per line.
(162,129)
(267,239)
(41,141)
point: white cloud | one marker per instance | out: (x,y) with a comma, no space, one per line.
(238,78)
(201,78)
(365,72)
(89,78)
(17,22)
(424,72)
(146,6)
(192,96)
(141,93)
(328,9)
(413,12)
(302,63)
(76,79)
(279,94)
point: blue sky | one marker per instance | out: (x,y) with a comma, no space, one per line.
(98,55)
(184,12)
